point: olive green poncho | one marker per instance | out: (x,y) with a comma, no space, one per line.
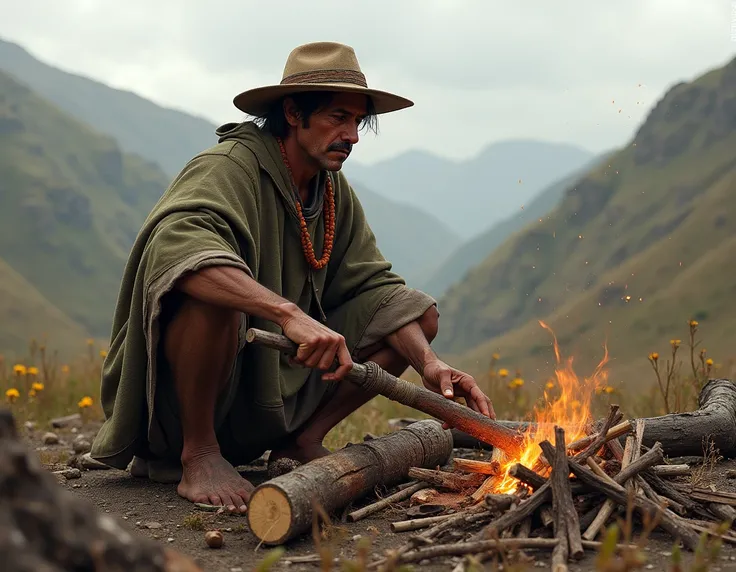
(233,205)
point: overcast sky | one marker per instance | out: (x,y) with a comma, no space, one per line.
(585,72)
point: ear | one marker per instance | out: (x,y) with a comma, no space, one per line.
(291,112)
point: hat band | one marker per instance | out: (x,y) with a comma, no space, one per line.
(327,76)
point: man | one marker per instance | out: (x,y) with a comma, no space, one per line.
(262,230)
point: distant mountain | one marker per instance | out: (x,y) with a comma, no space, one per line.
(163,135)
(636,248)
(471,196)
(71,204)
(468,254)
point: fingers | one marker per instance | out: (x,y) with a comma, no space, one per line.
(345,364)
(446,383)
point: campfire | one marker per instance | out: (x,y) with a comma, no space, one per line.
(556,487)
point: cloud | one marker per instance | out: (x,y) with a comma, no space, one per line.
(576,71)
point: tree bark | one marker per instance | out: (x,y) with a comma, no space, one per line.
(282,508)
(45,528)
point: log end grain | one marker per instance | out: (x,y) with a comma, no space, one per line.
(270,515)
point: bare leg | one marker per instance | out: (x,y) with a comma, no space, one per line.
(307,445)
(200,346)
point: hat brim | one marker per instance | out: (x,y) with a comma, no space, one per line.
(258,101)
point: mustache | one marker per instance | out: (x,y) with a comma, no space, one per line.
(342,146)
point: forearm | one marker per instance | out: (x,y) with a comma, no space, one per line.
(411,343)
(230,287)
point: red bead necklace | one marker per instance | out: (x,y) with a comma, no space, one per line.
(329,212)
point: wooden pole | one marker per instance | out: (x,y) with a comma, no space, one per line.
(282,508)
(374,379)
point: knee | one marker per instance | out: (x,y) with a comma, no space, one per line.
(193,318)
(430,323)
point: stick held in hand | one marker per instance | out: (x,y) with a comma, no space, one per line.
(372,378)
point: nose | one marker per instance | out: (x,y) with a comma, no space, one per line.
(351,134)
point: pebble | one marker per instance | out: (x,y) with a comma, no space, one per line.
(236,569)
(169,539)
(81,446)
(70,474)
(30,425)
(152,525)
(213,538)
(50,438)
(650,566)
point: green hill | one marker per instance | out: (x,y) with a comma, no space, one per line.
(31,315)
(71,204)
(636,248)
(474,251)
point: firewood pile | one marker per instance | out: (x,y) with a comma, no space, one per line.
(562,504)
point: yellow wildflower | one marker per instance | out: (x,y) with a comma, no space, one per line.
(103,353)
(33,370)
(64,368)
(503,372)
(675,343)
(90,342)
(12,394)
(37,386)
(86,401)
(693,323)
(709,362)
(518,382)
(654,356)
(32,393)
(19,369)
(609,389)
(550,385)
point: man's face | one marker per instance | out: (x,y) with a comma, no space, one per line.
(332,131)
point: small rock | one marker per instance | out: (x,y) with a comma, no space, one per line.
(357,537)
(70,474)
(236,569)
(650,566)
(75,430)
(213,538)
(50,438)
(152,525)
(81,445)
(30,425)
(169,539)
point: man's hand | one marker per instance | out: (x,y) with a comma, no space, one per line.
(450,382)
(318,345)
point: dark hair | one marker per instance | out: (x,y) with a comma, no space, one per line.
(307,103)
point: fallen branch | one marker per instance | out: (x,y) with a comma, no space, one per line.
(447,480)
(472,466)
(399,496)
(669,521)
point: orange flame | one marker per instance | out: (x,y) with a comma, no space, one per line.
(570,409)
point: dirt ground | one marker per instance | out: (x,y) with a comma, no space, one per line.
(156,511)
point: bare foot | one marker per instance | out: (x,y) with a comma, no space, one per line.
(208,478)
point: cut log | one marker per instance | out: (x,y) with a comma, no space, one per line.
(281,509)
(688,433)
(44,527)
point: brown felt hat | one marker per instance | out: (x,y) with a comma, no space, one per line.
(319,66)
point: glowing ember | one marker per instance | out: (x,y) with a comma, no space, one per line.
(570,409)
